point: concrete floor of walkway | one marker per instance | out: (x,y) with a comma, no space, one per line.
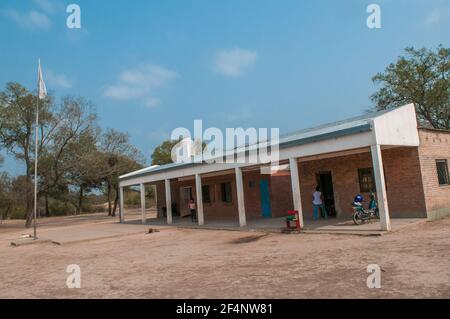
(102,228)
(330,226)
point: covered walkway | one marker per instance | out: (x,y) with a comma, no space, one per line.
(230,184)
(277,225)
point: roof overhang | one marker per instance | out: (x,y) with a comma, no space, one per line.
(394,127)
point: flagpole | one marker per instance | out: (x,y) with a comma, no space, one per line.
(36,161)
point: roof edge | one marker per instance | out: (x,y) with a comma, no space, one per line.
(432,129)
(307,140)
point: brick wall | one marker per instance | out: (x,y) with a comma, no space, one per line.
(404,182)
(402,173)
(215,209)
(402,167)
(434,145)
(252,193)
(281,193)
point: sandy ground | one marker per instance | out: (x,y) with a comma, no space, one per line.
(188,263)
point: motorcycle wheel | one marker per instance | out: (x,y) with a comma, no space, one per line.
(357,220)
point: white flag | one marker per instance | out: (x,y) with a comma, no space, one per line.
(42,90)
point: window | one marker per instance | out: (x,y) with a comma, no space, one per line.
(366,180)
(251,184)
(442,172)
(225,189)
(206,194)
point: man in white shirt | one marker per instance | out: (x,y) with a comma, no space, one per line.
(318,203)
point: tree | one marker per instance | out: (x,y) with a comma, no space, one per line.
(17,115)
(59,126)
(421,77)
(162,153)
(75,158)
(12,192)
(118,156)
(5,200)
(81,164)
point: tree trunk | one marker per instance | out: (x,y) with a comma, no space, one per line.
(116,200)
(47,209)
(80,200)
(29,197)
(30,215)
(109,200)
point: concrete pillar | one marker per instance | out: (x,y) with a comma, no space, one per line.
(198,191)
(168,202)
(121,208)
(380,183)
(295,183)
(240,197)
(144,218)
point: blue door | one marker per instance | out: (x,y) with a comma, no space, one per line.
(265,198)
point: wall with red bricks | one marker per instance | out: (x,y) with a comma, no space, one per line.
(403,182)
(215,209)
(434,145)
(403,173)
(281,193)
(252,193)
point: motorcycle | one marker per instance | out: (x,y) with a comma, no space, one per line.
(361,215)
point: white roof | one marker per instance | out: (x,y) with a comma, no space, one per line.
(396,126)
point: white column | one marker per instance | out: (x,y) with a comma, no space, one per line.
(240,197)
(381,187)
(198,191)
(168,202)
(295,183)
(144,218)
(121,209)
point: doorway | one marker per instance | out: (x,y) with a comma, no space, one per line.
(185,197)
(325,181)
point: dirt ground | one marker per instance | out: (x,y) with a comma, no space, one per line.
(189,263)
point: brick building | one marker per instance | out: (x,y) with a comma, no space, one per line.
(383,153)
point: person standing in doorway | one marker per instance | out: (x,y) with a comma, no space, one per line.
(318,203)
(192,209)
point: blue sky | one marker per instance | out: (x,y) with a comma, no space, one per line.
(152,66)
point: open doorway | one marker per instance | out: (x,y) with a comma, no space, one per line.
(185,196)
(325,181)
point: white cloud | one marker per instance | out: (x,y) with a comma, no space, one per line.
(57,80)
(234,62)
(30,20)
(140,83)
(47,5)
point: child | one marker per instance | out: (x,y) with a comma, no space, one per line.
(373,206)
(318,204)
(192,209)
